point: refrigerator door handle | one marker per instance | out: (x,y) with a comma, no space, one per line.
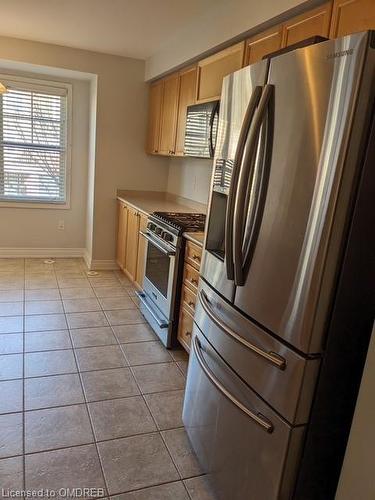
(270,356)
(257,417)
(250,111)
(214,112)
(250,172)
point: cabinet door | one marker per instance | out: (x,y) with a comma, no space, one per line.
(169,115)
(188,83)
(132,243)
(122,219)
(185,328)
(142,246)
(262,44)
(155,105)
(312,23)
(213,69)
(351,16)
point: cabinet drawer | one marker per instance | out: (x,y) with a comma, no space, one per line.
(185,328)
(193,254)
(188,299)
(191,277)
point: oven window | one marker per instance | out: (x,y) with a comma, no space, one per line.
(157,268)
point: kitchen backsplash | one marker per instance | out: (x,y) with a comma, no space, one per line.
(190,178)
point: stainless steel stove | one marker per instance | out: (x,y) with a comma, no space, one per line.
(160,297)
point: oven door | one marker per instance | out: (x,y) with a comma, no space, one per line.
(159,274)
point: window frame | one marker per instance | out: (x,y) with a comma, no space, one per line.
(40,84)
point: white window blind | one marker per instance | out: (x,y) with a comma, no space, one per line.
(33,143)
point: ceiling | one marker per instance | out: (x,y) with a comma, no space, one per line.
(133,28)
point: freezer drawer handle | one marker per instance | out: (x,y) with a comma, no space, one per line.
(272,357)
(257,417)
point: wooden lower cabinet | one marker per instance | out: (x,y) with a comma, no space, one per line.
(185,328)
(122,220)
(131,246)
(352,16)
(142,248)
(192,261)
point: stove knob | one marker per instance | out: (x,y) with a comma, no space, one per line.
(151,226)
(167,237)
(158,231)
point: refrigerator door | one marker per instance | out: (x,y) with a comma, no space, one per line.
(248,451)
(240,96)
(281,376)
(287,288)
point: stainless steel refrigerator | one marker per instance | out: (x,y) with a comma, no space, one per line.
(286,296)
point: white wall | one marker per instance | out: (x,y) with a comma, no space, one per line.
(121,120)
(190,178)
(32,227)
(213,27)
(357,480)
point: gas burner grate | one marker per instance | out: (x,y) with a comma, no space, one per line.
(193,222)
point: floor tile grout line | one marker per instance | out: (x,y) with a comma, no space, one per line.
(90,419)
(118,343)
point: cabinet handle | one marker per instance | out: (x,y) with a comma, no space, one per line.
(196,257)
(194,281)
(191,304)
(188,334)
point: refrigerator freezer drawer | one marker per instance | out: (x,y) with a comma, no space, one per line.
(281,376)
(248,451)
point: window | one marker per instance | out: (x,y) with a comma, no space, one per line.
(34,153)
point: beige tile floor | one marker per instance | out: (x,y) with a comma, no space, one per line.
(88,395)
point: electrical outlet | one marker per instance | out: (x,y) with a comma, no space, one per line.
(61,225)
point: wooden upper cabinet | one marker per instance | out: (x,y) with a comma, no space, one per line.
(351,16)
(122,219)
(142,248)
(155,106)
(262,44)
(132,243)
(312,23)
(188,83)
(169,115)
(213,69)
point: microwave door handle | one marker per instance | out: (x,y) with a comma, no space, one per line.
(250,111)
(214,112)
(260,191)
(257,417)
(247,173)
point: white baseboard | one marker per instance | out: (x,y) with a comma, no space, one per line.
(7,252)
(24,253)
(103,265)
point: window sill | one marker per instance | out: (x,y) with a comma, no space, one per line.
(37,204)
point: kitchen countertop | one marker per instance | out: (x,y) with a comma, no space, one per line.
(155,201)
(196,238)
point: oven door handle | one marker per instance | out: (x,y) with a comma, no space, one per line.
(157,245)
(142,298)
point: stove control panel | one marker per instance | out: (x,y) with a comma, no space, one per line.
(162,233)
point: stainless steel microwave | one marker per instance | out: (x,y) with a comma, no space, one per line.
(201,129)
